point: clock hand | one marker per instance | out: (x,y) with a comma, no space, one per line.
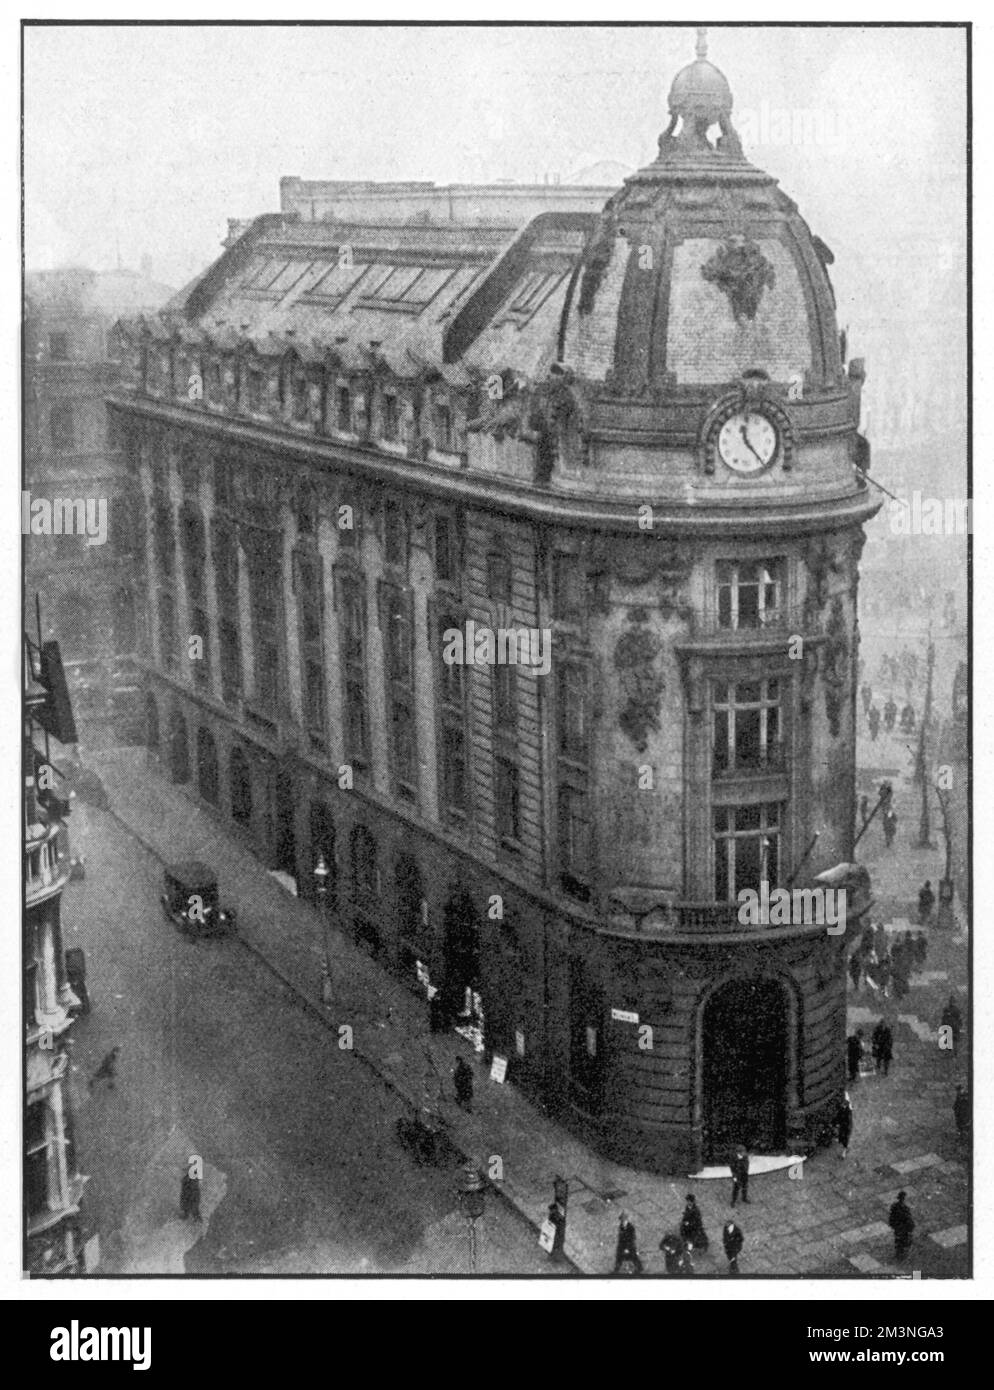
(744,432)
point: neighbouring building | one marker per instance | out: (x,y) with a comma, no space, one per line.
(93,593)
(619,417)
(53,1185)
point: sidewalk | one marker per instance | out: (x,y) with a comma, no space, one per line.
(791,1227)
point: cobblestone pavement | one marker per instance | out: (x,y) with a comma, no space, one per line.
(827,1217)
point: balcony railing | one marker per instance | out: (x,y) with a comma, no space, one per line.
(45,868)
(787,618)
(771,759)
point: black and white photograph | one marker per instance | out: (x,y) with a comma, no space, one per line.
(495,520)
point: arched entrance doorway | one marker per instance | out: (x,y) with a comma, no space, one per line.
(322,846)
(461,996)
(241,788)
(744,1038)
(207,765)
(151,724)
(179,752)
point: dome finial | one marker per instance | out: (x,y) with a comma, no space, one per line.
(702,41)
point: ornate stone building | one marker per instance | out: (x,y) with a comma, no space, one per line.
(629,427)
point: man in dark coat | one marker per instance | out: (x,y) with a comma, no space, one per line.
(557,1215)
(890,714)
(854,1051)
(107,1070)
(864,809)
(692,1225)
(882,1046)
(890,827)
(921,949)
(739,1164)
(675,1255)
(926,902)
(462,1075)
(874,718)
(626,1255)
(843,1120)
(961,1112)
(733,1240)
(189,1196)
(902,1223)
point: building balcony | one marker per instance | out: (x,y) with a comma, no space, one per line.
(707,634)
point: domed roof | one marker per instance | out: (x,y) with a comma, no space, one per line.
(702,269)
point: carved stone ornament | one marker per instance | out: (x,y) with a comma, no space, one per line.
(742,273)
(642,686)
(835,665)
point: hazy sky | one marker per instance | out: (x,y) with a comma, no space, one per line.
(150,138)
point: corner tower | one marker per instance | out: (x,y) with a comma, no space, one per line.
(702,390)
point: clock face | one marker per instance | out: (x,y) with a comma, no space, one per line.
(747,442)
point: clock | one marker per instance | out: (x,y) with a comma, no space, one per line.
(748,441)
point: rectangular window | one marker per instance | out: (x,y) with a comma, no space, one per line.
(344,409)
(404,747)
(307,509)
(314,708)
(165,553)
(267,673)
(301,397)
(391,419)
(231,659)
(506,796)
(352,627)
(454,784)
(443,428)
(747,729)
(746,849)
(574,841)
(253,391)
(569,589)
(310,608)
(167,630)
(224,484)
(572,712)
(58,347)
(347,519)
(750,593)
(446,549)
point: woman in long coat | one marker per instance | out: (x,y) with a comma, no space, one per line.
(843,1121)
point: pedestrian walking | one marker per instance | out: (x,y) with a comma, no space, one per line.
(107,1069)
(882,1046)
(626,1255)
(557,1215)
(462,1075)
(867,694)
(189,1196)
(961,1112)
(856,968)
(843,1121)
(692,1225)
(902,1223)
(739,1164)
(864,809)
(854,1052)
(921,949)
(733,1240)
(926,903)
(953,1020)
(675,1254)
(890,826)
(874,721)
(890,714)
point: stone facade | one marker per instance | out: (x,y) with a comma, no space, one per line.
(353,440)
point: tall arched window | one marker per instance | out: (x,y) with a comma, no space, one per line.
(179,753)
(207,765)
(241,787)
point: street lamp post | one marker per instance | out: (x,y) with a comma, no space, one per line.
(321,876)
(921,765)
(472,1200)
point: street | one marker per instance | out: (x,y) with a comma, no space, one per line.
(302,1169)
